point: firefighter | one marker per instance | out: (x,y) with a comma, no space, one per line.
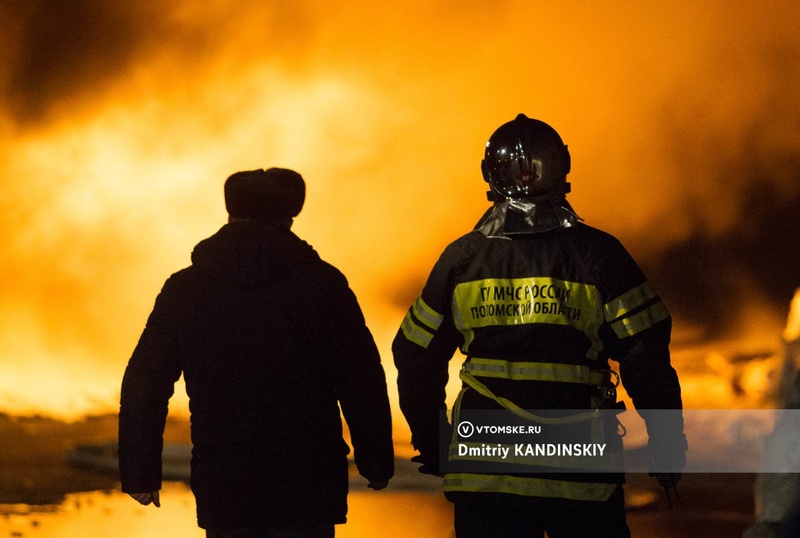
(539,303)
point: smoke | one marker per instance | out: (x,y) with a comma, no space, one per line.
(119,122)
(66,59)
(64,51)
(728,244)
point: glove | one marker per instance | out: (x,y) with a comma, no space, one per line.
(669,481)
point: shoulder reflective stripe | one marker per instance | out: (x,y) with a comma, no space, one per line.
(426,314)
(415,333)
(520,301)
(641,321)
(528,486)
(628,301)
(534,371)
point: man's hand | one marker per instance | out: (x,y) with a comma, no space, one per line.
(147,498)
(429,466)
(377,485)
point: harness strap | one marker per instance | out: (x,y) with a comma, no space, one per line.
(482,389)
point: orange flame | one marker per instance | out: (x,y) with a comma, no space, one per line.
(119,126)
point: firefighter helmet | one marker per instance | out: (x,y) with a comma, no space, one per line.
(525,158)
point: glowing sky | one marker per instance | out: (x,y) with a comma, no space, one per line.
(119,122)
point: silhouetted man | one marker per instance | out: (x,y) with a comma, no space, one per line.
(271,341)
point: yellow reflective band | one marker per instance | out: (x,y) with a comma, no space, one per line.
(641,321)
(519,301)
(628,301)
(528,486)
(415,333)
(426,314)
(534,371)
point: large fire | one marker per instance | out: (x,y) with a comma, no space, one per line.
(118,125)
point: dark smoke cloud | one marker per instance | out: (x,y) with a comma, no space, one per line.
(59,55)
(68,48)
(749,164)
(708,281)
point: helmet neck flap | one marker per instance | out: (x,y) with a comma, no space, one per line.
(527,216)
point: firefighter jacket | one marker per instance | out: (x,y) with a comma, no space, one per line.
(271,342)
(538,316)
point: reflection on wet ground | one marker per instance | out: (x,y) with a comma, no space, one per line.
(42,496)
(710,505)
(113,514)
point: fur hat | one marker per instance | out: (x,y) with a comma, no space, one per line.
(272,194)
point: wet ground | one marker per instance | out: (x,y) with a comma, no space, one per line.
(711,505)
(41,495)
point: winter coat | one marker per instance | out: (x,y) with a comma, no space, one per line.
(271,342)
